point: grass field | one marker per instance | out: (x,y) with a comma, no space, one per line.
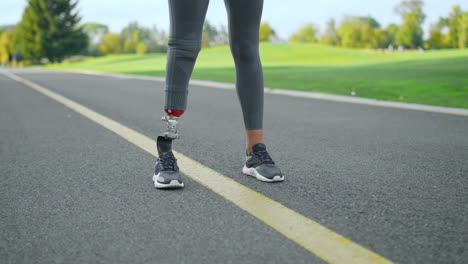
(432,77)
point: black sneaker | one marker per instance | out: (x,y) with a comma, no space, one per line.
(259,164)
(166,171)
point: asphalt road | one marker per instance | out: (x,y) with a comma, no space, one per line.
(392,180)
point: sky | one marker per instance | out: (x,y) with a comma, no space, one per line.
(284,16)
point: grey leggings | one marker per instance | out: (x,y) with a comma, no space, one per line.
(186,20)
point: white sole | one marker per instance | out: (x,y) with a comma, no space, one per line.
(172,185)
(254,173)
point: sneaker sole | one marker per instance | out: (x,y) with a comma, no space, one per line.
(254,173)
(174,184)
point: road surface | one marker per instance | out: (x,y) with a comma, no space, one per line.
(393,181)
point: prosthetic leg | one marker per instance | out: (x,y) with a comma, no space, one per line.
(164,141)
(166,174)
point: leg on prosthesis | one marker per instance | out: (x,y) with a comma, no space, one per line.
(184,45)
(186,25)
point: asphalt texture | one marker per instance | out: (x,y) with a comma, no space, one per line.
(392,180)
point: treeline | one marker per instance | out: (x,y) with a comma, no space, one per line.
(133,38)
(450,31)
(50,31)
(366,32)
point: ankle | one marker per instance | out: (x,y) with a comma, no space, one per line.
(249,148)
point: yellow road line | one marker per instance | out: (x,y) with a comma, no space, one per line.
(309,234)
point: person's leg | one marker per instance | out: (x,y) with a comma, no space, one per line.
(186,25)
(253,137)
(244,17)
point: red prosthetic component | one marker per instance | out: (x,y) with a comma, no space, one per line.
(176,113)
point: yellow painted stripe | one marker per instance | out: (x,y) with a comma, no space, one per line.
(314,237)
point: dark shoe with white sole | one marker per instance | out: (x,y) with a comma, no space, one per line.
(166,171)
(260,165)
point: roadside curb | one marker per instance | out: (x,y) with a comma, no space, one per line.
(294,93)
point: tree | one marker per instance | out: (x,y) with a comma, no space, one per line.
(209,34)
(457,22)
(95,32)
(157,40)
(368,20)
(131,35)
(410,33)
(134,34)
(379,38)
(129,46)
(266,31)
(392,30)
(307,33)
(435,40)
(452,22)
(133,31)
(48,28)
(463,35)
(7,46)
(141,48)
(4,28)
(349,32)
(453,29)
(330,37)
(222,38)
(110,44)
(361,32)
(29,34)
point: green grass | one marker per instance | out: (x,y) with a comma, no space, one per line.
(432,77)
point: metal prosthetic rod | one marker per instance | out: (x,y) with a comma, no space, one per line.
(171,119)
(164,142)
(171,129)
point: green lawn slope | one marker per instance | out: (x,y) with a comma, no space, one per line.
(433,77)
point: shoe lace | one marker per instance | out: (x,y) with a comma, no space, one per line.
(263,156)
(168,161)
